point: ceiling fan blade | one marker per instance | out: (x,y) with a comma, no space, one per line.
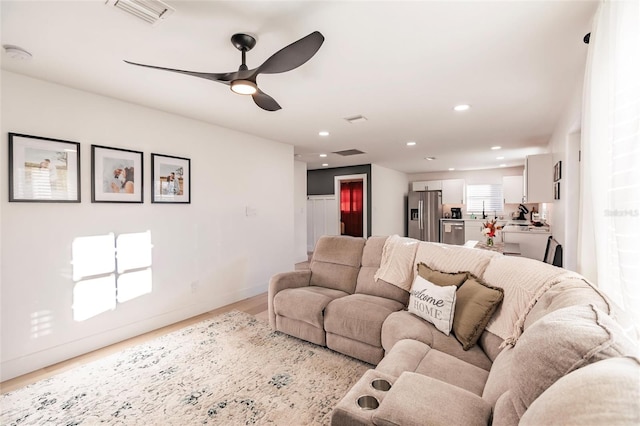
(221,77)
(265,101)
(293,55)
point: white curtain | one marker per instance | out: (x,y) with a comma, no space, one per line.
(609,246)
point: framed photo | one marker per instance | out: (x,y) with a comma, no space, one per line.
(116,175)
(557,171)
(43,169)
(556,191)
(171,179)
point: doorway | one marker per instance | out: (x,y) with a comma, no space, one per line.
(352,204)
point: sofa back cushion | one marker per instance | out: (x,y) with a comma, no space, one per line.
(371,258)
(559,343)
(336,261)
(604,393)
(454,259)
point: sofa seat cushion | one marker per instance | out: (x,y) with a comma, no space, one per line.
(404,325)
(419,400)
(305,303)
(416,357)
(359,317)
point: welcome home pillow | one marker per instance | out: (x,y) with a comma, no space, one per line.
(433,303)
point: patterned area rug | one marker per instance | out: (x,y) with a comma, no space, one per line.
(229,370)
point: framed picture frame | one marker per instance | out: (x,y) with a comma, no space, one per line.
(171,179)
(116,175)
(43,170)
(557,171)
(556,191)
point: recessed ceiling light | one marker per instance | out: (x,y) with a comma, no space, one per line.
(499,158)
(323,155)
(325,164)
(323,133)
(462,107)
(451,169)
(411,143)
(430,158)
(496,147)
(503,165)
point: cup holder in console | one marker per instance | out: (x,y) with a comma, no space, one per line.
(381,385)
(368,402)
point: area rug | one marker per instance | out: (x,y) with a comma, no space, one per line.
(229,370)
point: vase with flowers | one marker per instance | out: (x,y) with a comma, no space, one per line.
(489,230)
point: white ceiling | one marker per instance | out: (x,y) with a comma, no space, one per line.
(403,65)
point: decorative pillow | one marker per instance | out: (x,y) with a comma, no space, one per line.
(476,302)
(441,278)
(433,303)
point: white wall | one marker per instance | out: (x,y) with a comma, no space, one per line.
(389,189)
(205,254)
(300,213)
(565,146)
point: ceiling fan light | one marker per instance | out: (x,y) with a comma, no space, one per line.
(244,87)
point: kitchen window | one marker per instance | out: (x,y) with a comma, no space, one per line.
(487,198)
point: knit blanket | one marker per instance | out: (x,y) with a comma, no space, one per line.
(396,265)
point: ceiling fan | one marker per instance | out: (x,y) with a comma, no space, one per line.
(243,81)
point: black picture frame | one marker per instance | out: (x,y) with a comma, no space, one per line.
(556,191)
(164,169)
(557,171)
(43,170)
(117,175)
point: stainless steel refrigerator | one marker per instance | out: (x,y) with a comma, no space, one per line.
(425,212)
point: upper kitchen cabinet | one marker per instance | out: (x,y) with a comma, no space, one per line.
(538,172)
(453,191)
(513,189)
(429,185)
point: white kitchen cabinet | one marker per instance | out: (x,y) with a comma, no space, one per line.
(538,178)
(427,185)
(513,189)
(453,191)
(473,230)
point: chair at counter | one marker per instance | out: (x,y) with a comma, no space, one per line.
(553,252)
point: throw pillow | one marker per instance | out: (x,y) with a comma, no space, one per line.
(441,278)
(433,303)
(476,302)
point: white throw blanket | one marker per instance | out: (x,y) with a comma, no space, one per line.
(396,266)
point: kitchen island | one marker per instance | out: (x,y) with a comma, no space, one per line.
(532,239)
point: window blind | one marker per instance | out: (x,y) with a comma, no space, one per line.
(489,194)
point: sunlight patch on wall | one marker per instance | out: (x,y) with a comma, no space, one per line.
(93,297)
(93,256)
(109,270)
(134,284)
(41,323)
(134,251)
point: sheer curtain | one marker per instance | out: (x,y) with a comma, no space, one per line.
(609,246)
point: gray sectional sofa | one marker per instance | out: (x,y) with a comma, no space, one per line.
(554,351)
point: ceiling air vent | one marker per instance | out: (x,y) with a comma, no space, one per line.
(356,119)
(348,152)
(150,11)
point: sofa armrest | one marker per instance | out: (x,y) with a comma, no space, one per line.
(282,281)
(415,399)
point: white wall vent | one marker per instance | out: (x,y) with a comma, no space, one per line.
(150,11)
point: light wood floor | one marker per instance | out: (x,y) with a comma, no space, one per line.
(256,305)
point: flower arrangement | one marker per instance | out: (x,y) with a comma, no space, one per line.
(489,229)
